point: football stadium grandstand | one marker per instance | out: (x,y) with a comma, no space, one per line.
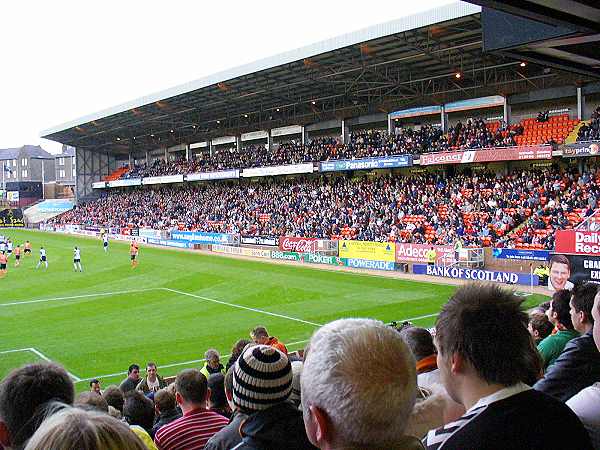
(439,173)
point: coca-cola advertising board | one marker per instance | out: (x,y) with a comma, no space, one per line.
(416,252)
(520,153)
(298,244)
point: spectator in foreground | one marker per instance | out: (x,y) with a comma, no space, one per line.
(152,382)
(262,382)
(217,401)
(24,393)
(114,397)
(260,336)
(346,408)
(132,380)
(236,351)
(229,436)
(539,326)
(578,366)
(486,356)
(166,411)
(198,425)
(586,403)
(73,428)
(90,400)
(552,346)
(420,343)
(138,411)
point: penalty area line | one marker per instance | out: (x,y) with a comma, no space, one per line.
(39,354)
(247,308)
(74,297)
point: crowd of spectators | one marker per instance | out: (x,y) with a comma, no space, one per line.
(481,385)
(591,132)
(472,134)
(524,206)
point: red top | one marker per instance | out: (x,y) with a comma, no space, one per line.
(190,432)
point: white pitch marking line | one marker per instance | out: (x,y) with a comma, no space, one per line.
(185,363)
(73,297)
(243,307)
(42,356)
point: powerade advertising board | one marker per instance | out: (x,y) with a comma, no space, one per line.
(476,274)
(370,264)
(513,253)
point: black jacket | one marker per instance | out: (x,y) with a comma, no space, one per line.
(229,436)
(276,428)
(577,367)
(164,419)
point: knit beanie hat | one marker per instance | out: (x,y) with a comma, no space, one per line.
(262,377)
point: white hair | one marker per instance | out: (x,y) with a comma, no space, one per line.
(72,428)
(362,375)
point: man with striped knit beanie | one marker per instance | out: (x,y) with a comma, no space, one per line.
(262,383)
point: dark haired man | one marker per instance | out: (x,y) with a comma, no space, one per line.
(22,395)
(558,313)
(539,326)
(486,357)
(560,271)
(578,366)
(132,380)
(420,343)
(198,425)
(138,411)
(152,382)
(166,411)
(95,386)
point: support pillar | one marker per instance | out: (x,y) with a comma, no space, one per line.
(147,158)
(304,135)
(444,119)
(345,132)
(506,111)
(187,152)
(269,141)
(238,143)
(580,104)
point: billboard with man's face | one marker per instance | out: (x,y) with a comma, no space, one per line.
(568,270)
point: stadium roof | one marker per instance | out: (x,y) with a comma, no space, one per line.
(407,62)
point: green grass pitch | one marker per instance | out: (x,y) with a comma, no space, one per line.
(175,305)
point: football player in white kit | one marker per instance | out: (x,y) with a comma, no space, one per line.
(43,258)
(105,241)
(77,259)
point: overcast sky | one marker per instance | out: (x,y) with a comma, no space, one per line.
(61,60)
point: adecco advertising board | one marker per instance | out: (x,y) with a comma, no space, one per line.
(374,251)
(416,252)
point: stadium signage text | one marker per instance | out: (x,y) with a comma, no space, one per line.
(163,180)
(258,240)
(370,264)
(278,170)
(578,242)
(512,253)
(170,243)
(297,244)
(581,149)
(201,237)
(416,252)
(127,182)
(374,251)
(488,155)
(475,274)
(366,163)
(220,175)
(11,218)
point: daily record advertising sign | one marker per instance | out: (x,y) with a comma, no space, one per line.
(373,251)
(366,163)
(202,238)
(513,253)
(220,175)
(581,149)
(416,252)
(488,155)
(476,274)
(278,170)
(577,242)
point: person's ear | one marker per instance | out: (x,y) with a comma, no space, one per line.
(4,435)
(457,363)
(320,425)
(178,398)
(208,393)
